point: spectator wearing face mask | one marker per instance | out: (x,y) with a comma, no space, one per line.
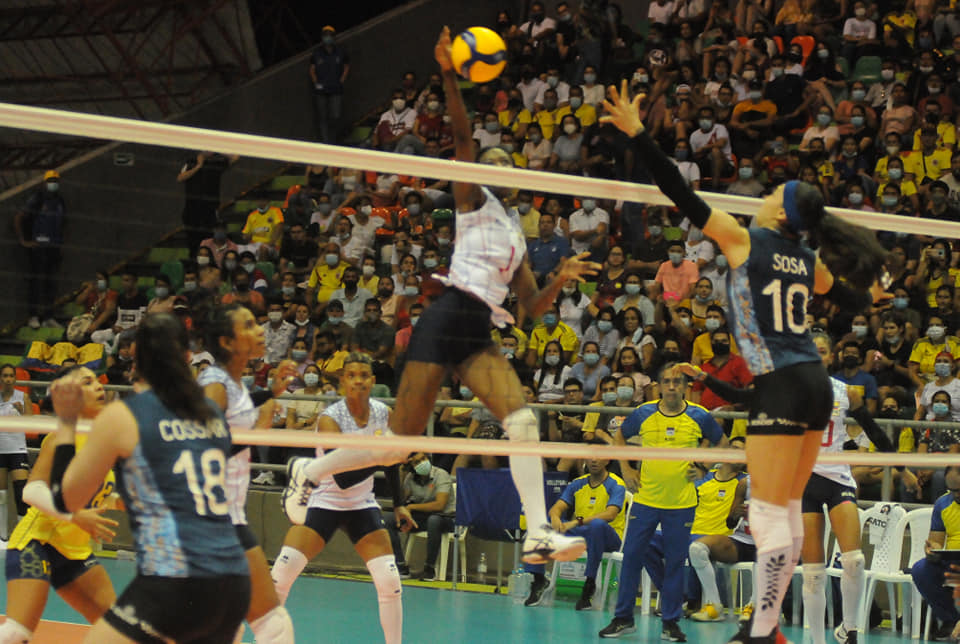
(553,372)
(747,184)
(613,391)
(551,328)
(689,170)
(603,331)
(752,120)
(905,186)
(329,67)
(163,296)
(568,147)
(926,349)
(934,270)
(258,279)
(529,216)
(278,333)
(585,112)
(588,229)
(219,244)
(860,334)
(702,345)
(394,123)
(343,333)
(697,248)
(710,145)
(538,148)
(789,93)
(245,295)
(700,304)
(264,228)
(851,373)
(327,274)
(944,380)
(939,206)
(351,296)
(303,414)
(930,483)
(590,369)
(677,276)
(859,34)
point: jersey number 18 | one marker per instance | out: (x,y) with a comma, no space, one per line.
(206,497)
(786,302)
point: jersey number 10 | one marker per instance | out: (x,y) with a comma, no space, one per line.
(787,302)
(213,467)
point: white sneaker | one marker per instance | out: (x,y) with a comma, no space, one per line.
(297,493)
(708,613)
(265,477)
(546,544)
(50,323)
(34,322)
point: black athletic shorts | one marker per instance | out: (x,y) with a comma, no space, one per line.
(38,560)
(822,490)
(247,539)
(453,328)
(791,400)
(356,523)
(17,461)
(191,610)
(745,551)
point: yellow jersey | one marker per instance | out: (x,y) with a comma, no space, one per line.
(715,498)
(66,537)
(586,501)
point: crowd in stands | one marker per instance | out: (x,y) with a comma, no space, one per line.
(861,104)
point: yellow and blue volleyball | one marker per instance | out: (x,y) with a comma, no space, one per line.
(479,54)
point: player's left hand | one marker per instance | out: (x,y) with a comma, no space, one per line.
(442,51)
(622,112)
(404,519)
(285,375)
(67,396)
(574,268)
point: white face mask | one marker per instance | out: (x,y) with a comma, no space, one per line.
(275,316)
(399,104)
(570,128)
(368,270)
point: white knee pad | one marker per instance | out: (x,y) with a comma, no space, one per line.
(814,579)
(288,566)
(386,578)
(770,526)
(852,563)
(522,425)
(12,632)
(699,555)
(273,628)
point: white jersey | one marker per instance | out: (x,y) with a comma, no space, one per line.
(834,436)
(488,250)
(13,442)
(241,414)
(742,532)
(329,495)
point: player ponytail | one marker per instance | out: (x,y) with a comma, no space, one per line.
(848,250)
(161,354)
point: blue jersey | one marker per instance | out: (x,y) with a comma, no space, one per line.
(173,487)
(768,297)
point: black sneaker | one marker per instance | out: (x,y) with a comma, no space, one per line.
(404,571)
(428,574)
(671,632)
(538,587)
(844,636)
(618,628)
(743,636)
(586,596)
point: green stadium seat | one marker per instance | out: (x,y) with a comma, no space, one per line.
(380,391)
(285,182)
(43,334)
(70,309)
(358,135)
(672,233)
(441,215)
(844,66)
(146,282)
(14,360)
(867,69)
(588,288)
(267,268)
(173,270)
(162,255)
(643,28)
(116,282)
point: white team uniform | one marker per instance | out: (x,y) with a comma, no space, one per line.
(330,496)
(742,532)
(241,414)
(834,436)
(488,250)
(13,442)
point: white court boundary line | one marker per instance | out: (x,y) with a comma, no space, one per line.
(164,134)
(299,438)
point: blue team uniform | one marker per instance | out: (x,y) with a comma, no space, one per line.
(172,485)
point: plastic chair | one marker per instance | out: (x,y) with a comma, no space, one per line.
(614,558)
(807,43)
(448,538)
(174,272)
(736,571)
(885,562)
(867,69)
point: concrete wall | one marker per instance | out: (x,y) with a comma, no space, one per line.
(116,211)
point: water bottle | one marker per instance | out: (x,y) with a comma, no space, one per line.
(482,568)
(126,555)
(513,586)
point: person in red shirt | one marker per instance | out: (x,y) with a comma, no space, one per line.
(725,366)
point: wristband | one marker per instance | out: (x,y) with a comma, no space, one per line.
(580,521)
(262,396)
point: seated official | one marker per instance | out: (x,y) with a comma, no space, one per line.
(594,505)
(928,573)
(428,494)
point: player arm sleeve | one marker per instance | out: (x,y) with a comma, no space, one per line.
(260,397)
(874,432)
(62,456)
(728,392)
(393,482)
(670,181)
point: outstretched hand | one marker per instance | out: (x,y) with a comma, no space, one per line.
(442,50)
(622,112)
(574,268)
(67,396)
(690,370)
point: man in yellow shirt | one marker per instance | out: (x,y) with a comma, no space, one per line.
(594,508)
(665,495)
(585,113)
(929,162)
(551,328)
(547,117)
(264,226)
(326,275)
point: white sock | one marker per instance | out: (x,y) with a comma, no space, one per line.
(288,566)
(769,524)
(851,587)
(815,599)
(700,561)
(795,513)
(386,579)
(273,628)
(527,471)
(12,632)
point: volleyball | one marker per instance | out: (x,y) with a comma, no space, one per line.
(479,54)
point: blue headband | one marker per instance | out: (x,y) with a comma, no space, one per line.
(794,220)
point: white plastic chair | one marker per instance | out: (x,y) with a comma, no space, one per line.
(447,539)
(887,553)
(614,559)
(736,572)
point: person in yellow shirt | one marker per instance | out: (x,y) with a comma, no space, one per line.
(665,495)
(926,349)
(946,131)
(551,328)
(585,113)
(594,506)
(547,117)
(516,117)
(929,162)
(702,351)
(327,275)
(264,225)
(50,548)
(508,141)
